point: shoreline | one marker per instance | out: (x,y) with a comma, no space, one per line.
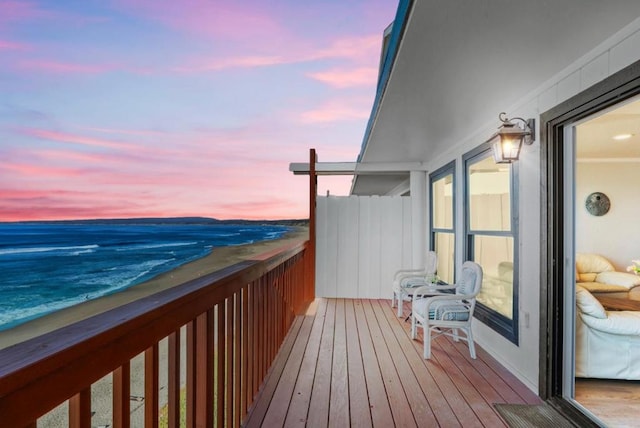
(217,259)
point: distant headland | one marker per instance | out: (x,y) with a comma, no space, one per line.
(171,221)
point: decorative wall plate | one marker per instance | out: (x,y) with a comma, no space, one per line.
(597,204)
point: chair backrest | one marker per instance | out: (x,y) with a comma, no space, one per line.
(431,264)
(470,279)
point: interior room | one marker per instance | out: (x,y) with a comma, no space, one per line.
(607,240)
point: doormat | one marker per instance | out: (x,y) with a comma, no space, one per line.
(532,416)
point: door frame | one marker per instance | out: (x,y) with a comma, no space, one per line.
(613,90)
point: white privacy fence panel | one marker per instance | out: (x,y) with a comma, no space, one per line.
(361,242)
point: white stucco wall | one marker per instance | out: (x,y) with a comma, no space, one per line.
(615,235)
(610,56)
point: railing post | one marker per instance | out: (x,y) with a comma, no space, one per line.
(122,396)
(151,386)
(313,192)
(80,409)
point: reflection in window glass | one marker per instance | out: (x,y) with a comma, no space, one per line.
(490,196)
(495,255)
(444,247)
(442,232)
(442,208)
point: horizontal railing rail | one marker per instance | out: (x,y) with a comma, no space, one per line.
(235,320)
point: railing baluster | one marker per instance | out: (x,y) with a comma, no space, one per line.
(220,372)
(229,358)
(173,401)
(80,409)
(190,381)
(122,396)
(244,384)
(151,386)
(204,369)
(253,354)
(237,360)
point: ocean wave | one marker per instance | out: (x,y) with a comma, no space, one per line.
(14,316)
(136,247)
(8,251)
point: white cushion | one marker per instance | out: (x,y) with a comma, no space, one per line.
(589,305)
(625,279)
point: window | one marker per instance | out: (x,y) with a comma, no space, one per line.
(443,238)
(491,238)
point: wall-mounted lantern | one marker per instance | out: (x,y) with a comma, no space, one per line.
(507,142)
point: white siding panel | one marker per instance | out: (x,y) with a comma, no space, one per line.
(625,53)
(333,248)
(548,98)
(407,235)
(321,245)
(347,268)
(569,86)
(595,70)
(365,272)
(391,248)
(375,243)
(362,242)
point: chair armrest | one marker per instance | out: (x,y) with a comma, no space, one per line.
(407,273)
(433,290)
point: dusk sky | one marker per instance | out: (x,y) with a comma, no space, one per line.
(145,108)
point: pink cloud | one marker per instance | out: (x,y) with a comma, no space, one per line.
(128,131)
(218,64)
(18,10)
(258,209)
(231,20)
(75,139)
(360,49)
(336,111)
(345,78)
(56,67)
(9,46)
(351,47)
(41,171)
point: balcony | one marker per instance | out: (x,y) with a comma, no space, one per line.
(258,350)
(351,362)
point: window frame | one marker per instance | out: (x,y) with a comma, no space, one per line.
(508,328)
(448,169)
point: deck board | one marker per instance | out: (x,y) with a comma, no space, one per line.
(352,363)
(360,412)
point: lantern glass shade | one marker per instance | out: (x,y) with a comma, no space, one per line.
(506,148)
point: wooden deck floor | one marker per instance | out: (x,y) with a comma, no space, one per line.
(353,363)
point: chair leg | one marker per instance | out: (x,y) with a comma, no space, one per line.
(455,334)
(393,299)
(400,303)
(413,326)
(427,342)
(472,346)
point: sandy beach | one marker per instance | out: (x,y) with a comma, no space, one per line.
(217,259)
(101,390)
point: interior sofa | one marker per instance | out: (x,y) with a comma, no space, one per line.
(607,342)
(597,275)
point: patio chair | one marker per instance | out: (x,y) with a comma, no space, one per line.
(447,313)
(407,280)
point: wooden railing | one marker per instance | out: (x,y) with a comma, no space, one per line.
(235,321)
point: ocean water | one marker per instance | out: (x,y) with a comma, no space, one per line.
(47,267)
